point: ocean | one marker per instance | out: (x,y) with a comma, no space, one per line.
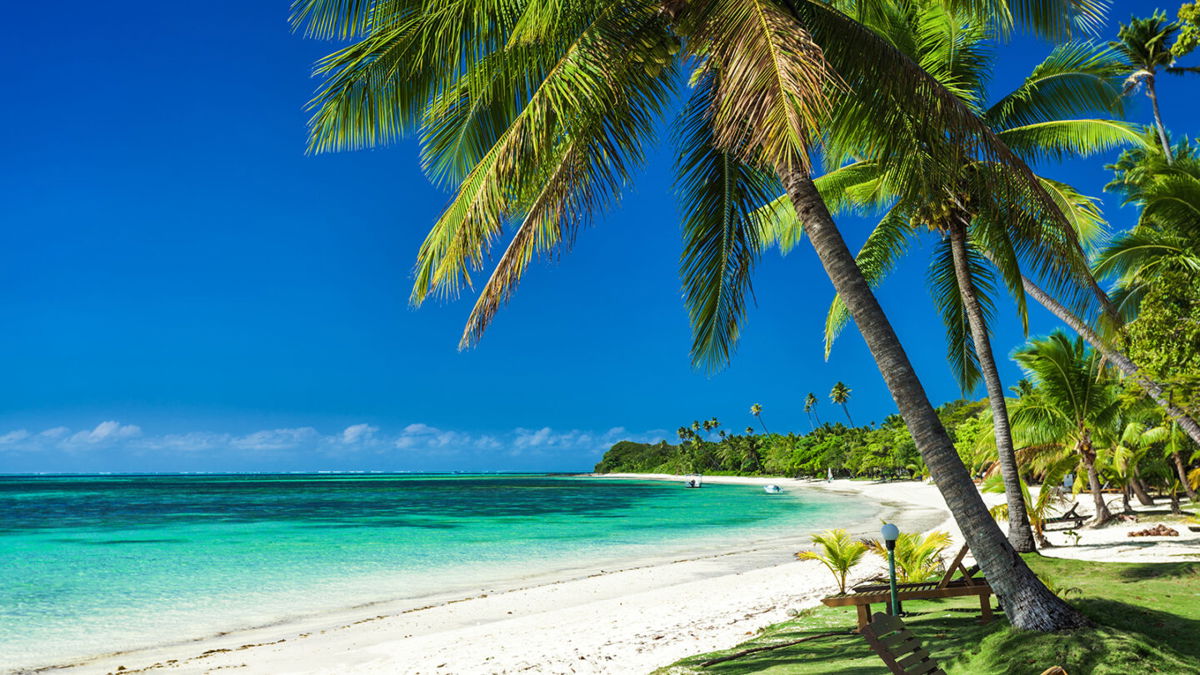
(106,563)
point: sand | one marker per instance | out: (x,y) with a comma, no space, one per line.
(616,621)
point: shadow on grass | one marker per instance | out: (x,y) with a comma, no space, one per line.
(945,631)
(1177,632)
(1143,571)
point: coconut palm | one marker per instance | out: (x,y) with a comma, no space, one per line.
(1166,237)
(536,115)
(1047,116)
(918,556)
(839,552)
(756,410)
(1073,409)
(1145,45)
(1039,509)
(840,394)
(810,407)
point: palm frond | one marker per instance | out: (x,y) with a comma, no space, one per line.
(594,109)
(887,244)
(1077,79)
(772,93)
(1060,139)
(947,296)
(721,240)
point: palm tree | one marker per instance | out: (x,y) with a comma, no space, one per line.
(1073,408)
(1038,509)
(1046,116)
(918,556)
(756,410)
(810,407)
(536,114)
(840,394)
(839,553)
(1146,46)
(1166,238)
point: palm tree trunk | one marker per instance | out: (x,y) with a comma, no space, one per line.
(1158,123)
(1027,601)
(1019,532)
(1116,357)
(1180,469)
(1088,454)
(847,411)
(1140,491)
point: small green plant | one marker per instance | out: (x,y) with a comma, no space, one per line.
(918,556)
(839,552)
(1075,536)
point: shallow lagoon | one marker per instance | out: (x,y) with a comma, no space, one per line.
(93,564)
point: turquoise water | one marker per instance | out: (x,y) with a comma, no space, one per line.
(94,564)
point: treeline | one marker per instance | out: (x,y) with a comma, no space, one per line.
(881,450)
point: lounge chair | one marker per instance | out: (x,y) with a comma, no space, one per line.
(948,587)
(1070,516)
(898,647)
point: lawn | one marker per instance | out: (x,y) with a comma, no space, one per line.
(1147,621)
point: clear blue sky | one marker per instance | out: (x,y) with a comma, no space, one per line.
(186,290)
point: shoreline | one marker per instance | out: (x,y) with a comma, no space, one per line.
(747,584)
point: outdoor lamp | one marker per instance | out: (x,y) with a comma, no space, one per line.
(890,533)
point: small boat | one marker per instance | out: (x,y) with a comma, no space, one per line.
(772,489)
(693,480)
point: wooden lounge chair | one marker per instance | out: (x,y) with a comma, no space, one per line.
(1070,516)
(898,647)
(947,587)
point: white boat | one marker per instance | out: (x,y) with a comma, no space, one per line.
(772,489)
(693,480)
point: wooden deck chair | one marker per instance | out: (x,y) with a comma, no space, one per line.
(898,647)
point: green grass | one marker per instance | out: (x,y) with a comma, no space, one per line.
(1147,621)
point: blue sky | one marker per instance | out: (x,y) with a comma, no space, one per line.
(186,290)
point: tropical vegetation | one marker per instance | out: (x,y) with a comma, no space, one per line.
(537,116)
(839,553)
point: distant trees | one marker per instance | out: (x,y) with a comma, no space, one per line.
(756,410)
(884,451)
(810,408)
(840,394)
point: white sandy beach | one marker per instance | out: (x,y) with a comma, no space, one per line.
(623,621)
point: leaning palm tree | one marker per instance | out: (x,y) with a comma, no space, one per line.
(810,407)
(1145,45)
(536,115)
(756,410)
(1073,409)
(840,394)
(1047,116)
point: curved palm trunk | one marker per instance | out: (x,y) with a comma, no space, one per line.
(847,411)
(1088,454)
(1116,357)
(1019,532)
(1181,470)
(1139,489)
(1027,601)
(1158,123)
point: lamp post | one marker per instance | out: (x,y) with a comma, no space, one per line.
(890,533)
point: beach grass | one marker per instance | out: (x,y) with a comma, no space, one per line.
(1147,617)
